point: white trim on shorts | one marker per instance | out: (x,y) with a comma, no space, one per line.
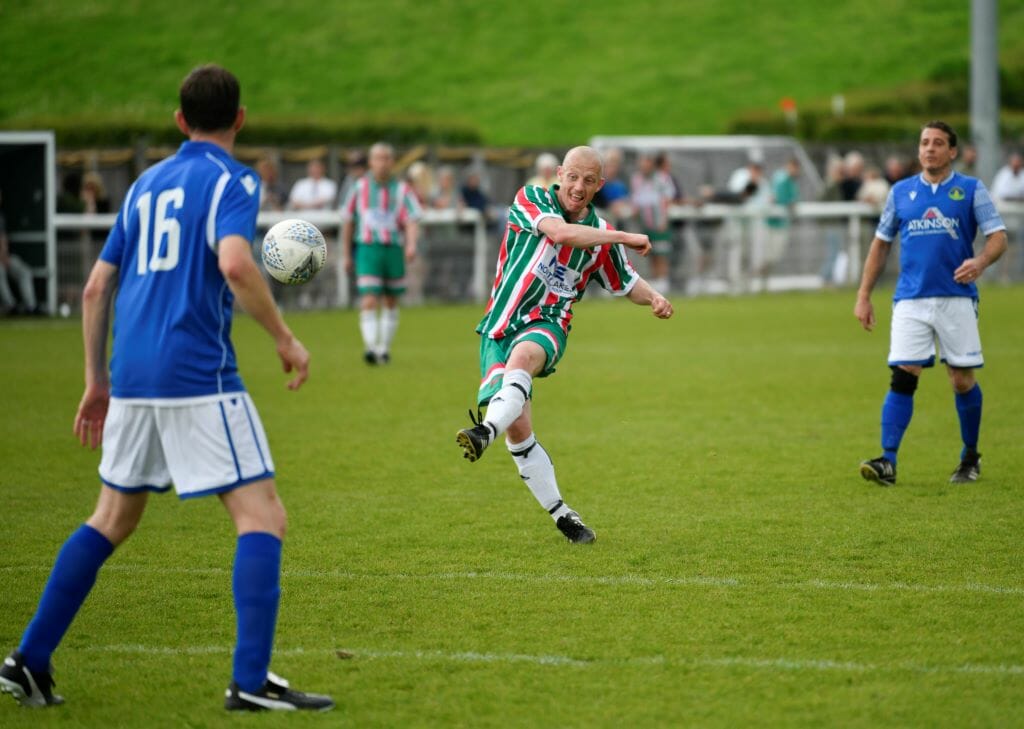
(917,323)
(201,446)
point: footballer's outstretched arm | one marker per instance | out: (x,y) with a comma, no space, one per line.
(234,258)
(583,236)
(644,294)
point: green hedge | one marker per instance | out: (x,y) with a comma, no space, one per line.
(88,131)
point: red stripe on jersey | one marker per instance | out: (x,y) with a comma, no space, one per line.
(364,205)
(528,207)
(384,205)
(609,270)
(522,287)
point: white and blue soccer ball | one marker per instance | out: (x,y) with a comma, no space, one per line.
(294,251)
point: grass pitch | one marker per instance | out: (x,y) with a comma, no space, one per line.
(743,573)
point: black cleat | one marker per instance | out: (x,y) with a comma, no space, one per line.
(880,470)
(384,358)
(29,688)
(275,695)
(574,529)
(474,441)
(968,470)
(369,358)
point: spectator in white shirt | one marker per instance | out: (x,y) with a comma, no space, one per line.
(1009,180)
(314,192)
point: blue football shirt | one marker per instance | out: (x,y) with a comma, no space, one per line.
(172,312)
(937,225)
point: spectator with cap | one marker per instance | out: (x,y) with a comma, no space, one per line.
(544,172)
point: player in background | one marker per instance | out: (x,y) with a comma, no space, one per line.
(554,245)
(652,191)
(381,214)
(937,215)
(172,409)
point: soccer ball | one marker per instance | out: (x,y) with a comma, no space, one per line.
(294,251)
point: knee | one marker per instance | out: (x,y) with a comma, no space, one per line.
(903,382)
(368,302)
(963,380)
(116,525)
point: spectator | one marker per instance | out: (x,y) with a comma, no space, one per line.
(853,176)
(446,196)
(421,181)
(1008,186)
(874,188)
(651,193)
(13,266)
(544,173)
(966,162)
(895,169)
(69,199)
(785,191)
(836,264)
(313,192)
(272,193)
(473,195)
(614,196)
(94,194)
(739,180)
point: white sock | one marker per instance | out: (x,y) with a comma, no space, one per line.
(388,327)
(538,472)
(368,327)
(507,404)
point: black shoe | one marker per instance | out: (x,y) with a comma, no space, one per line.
(574,529)
(274,696)
(29,688)
(880,470)
(369,358)
(968,470)
(475,440)
(384,358)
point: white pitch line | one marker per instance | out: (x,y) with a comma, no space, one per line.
(769,664)
(682,581)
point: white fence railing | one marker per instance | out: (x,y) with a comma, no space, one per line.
(852,221)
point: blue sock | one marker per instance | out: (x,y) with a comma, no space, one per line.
(73,575)
(896,413)
(256,583)
(968,407)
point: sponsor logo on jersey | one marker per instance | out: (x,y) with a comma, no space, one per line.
(249,184)
(933,221)
(559,278)
(913,194)
(957,193)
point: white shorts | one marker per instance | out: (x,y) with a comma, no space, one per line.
(953,320)
(203,445)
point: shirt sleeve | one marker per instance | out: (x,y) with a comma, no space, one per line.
(985,211)
(532,204)
(614,271)
(235,213)
(888,225)
(113,249)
